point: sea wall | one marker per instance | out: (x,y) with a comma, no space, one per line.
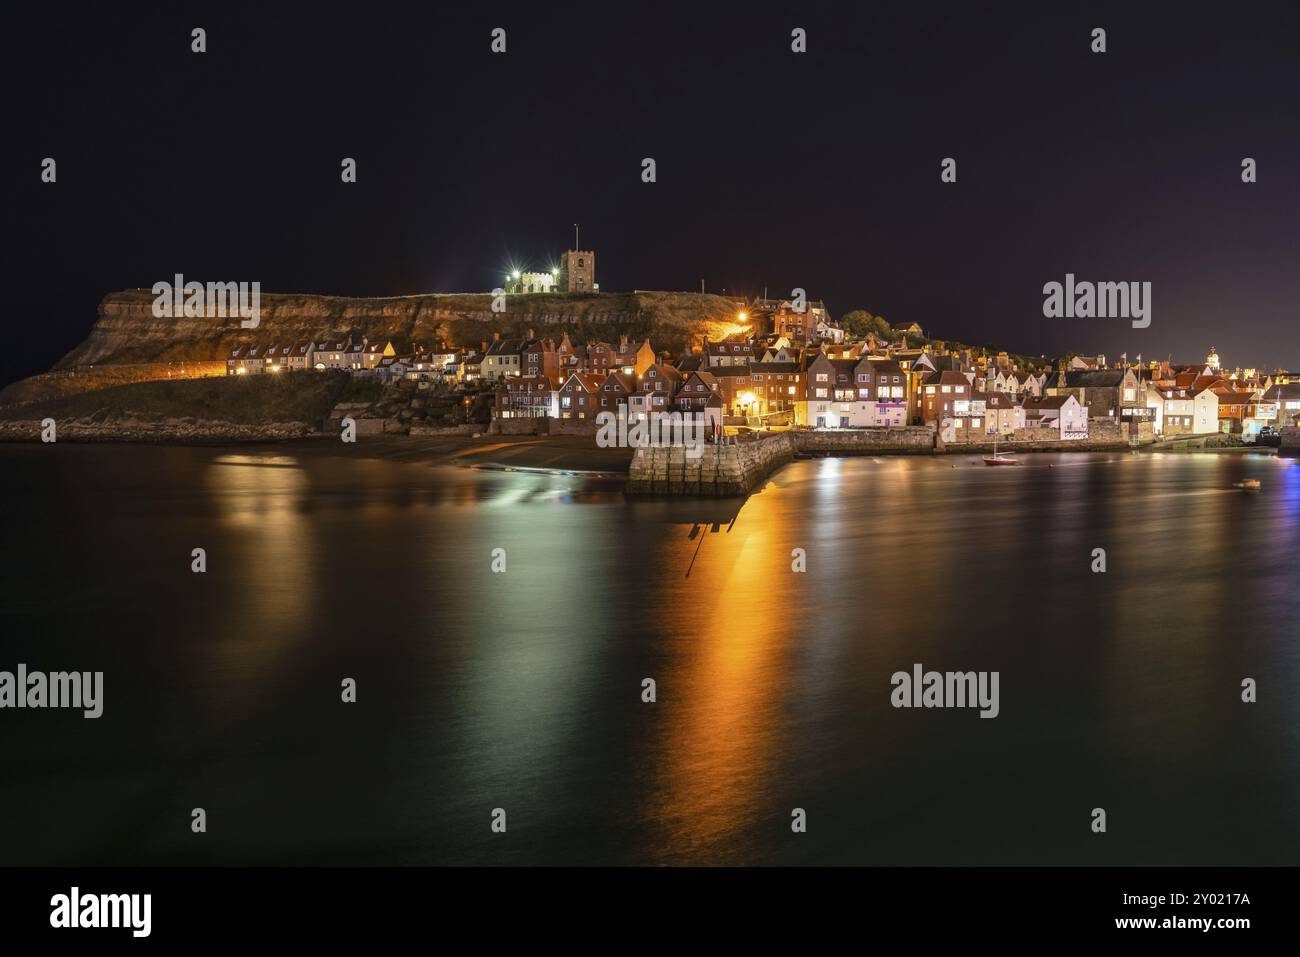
(539,425)
(905,439)
(717,470)
(740,468)
(427,431)
(533,425)
(573,427)
(1103,435)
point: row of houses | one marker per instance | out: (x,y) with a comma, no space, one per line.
(358,354)
(532,356)
(779,379)
(1199,400)
(659,388)
(868,385)
(774,378)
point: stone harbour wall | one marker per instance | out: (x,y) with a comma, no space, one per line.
(718,471)
(573,427)
(536,425)
(1103,435)
(907,439)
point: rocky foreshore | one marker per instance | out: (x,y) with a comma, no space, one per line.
(171,431)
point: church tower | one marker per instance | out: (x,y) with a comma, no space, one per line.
(579,268)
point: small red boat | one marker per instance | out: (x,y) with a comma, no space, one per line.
(999,458)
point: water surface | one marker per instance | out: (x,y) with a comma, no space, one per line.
(522,690)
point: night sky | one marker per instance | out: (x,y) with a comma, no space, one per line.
(774,169)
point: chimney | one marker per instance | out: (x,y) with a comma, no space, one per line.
(483,345)
(530,333)
(496,337)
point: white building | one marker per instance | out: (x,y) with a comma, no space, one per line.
(1063,413)
(1182,411)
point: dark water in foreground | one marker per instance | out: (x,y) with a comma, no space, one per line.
(522,690)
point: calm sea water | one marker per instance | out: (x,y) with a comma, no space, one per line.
(522,690)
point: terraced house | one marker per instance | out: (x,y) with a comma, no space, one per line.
(501,358)
(580,394)
(945,395)
(527,397)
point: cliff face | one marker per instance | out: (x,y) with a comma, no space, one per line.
(128,332)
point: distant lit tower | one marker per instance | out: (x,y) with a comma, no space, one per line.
(1212,360)
(579,269)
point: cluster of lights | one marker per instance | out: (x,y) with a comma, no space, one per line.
(515,274)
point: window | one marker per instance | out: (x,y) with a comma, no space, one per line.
(946,388)
(929,390)
(821,377)
(821,393)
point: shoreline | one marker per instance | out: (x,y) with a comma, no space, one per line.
(17,432)
(576,457)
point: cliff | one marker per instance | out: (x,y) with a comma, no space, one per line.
(128,332)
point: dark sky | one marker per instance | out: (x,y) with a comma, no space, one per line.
(774,169)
